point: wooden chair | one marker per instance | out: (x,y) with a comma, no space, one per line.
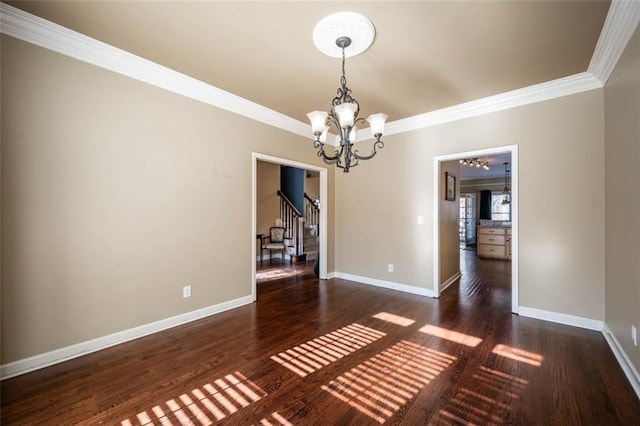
(275,241)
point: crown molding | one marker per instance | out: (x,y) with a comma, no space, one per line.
(540,92)
(622,20)
(35,30)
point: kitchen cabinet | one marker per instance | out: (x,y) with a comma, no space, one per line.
(494,242)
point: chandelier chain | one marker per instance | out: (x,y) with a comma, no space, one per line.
(343,80)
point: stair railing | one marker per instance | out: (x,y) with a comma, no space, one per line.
(292,220)
(311,213)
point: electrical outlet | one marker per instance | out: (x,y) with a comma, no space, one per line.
(420,220)
(634,335)
(186,291)
(390,267)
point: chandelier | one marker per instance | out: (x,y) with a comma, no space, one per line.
(340,29)
(475,162)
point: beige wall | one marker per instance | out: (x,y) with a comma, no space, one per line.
(561,248)
(312,185)
(115,195)
(622,156)
(268,202)
(377,205)
(449,216)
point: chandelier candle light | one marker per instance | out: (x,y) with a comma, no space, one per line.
(333,36)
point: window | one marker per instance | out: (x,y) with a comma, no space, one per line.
(499,211)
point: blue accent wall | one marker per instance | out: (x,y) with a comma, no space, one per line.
(292,185)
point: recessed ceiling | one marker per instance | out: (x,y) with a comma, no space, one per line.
(426,55)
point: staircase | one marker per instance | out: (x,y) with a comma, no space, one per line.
(310,235)
(292,220)
(302,234)
(311,244)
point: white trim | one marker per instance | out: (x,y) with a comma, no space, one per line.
(32,29)
(452,279)
(560,318)
(528,95)
(255,156)
(618,28)
(436,226)
(331,275)
(386,284)
(513,149)
(254,231)
(515,229)
(623,359)
(37,362)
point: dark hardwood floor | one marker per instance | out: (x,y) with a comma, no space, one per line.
(337,352)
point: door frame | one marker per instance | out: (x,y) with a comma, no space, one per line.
(255,157)
(437,179)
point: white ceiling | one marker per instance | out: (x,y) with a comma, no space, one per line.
(427,55)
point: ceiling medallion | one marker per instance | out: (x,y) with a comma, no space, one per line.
(344,24)
(343,33)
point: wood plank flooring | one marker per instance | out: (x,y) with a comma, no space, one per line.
(336,352)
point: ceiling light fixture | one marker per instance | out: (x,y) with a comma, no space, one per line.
(475,162)
(341,35)
(507,184)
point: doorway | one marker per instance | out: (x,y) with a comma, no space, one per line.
(438,178)
(322,228)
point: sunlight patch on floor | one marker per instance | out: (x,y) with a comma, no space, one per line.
(387,381)
(451,335)
(519,355)
(311,356)
(394,319)
(211,403)
(493,406)
(275,419)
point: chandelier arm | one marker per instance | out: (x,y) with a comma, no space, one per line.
(345,166)
(329,159)
(353,159)
(377,145)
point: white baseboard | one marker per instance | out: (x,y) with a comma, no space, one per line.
(385,284)
(37,362)
(623,359)
(452,279)
(331,275)
(565,319)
